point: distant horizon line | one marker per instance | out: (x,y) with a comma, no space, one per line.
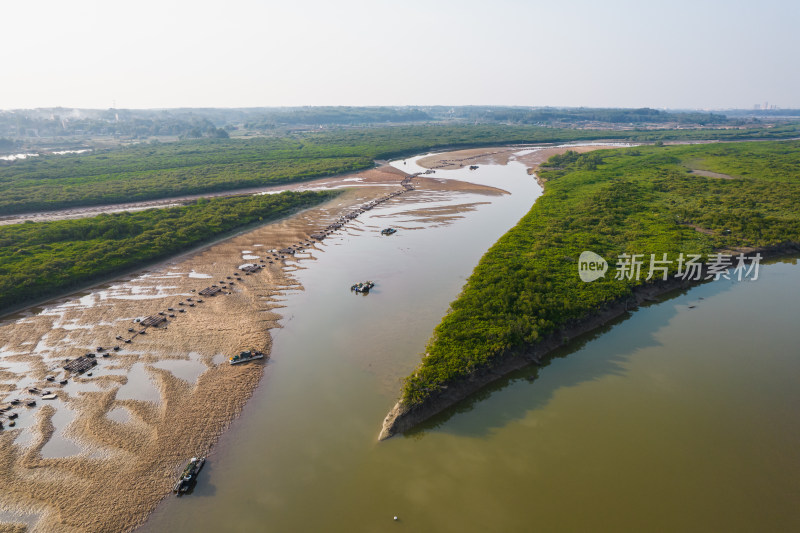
(513,106)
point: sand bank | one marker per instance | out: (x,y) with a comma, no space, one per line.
(532,156)
(103,454)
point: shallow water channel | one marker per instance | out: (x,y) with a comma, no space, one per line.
(673,419)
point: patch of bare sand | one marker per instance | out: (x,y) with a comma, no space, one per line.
(501,156)
(124,469)
(536,158)
(472,156)
(439,215)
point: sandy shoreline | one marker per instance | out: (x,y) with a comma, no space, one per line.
(167,395)
(102,455)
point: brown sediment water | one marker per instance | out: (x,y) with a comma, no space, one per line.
(679,417)
(172,383)
(145,410)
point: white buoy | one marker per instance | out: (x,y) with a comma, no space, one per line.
(395,518)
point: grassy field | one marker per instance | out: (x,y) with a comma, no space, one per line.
(47,258)
(643,200)
(160,170)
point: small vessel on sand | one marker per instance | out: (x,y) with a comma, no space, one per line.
(189,475)
(388,231)
(243,357)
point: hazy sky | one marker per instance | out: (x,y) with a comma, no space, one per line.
(239,53)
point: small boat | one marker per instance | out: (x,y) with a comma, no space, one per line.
(245,356)
(63,381)
(388,231)
(189,475)
(362,287)
(30,403)
(49,397)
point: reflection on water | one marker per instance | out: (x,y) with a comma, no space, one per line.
(11,517)
(186,369)
(140,386)
(120,414)
(59,444)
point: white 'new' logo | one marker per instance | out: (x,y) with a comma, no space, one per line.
(591,266)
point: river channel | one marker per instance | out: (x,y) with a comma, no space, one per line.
(675,418)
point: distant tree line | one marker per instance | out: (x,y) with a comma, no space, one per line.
(157,170)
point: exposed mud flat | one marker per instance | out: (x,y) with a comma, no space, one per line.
(102,454)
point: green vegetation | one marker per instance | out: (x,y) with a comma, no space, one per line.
(642,200)
(609,116)
(158,170)
(45,258)
(149,171)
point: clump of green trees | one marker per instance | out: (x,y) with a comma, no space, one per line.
(642,200)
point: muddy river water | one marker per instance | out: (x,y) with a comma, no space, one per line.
(673,419)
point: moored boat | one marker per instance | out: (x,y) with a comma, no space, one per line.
(189,475)
(243,357)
